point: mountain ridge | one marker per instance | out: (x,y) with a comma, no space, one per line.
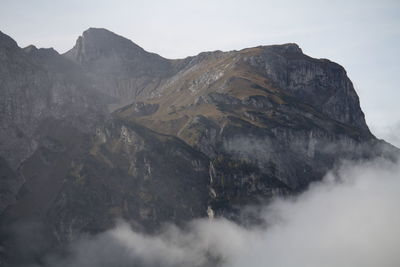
(188,138)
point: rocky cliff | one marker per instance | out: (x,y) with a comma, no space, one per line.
(37,85)
(270,119)
(194,137)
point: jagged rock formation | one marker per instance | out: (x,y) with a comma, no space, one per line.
(192,137)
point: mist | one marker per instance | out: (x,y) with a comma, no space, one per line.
(351,218)
(390,133)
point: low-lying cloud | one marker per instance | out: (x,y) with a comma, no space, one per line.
(352,219)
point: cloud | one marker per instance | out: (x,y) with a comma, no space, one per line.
(351,218)
(390,133)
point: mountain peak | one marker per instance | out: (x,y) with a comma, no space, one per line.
(105,55)
(6,41)
(287,49)
(291,48)
(93,29)
(103,35)
(30,48)
(98,42)
(34,51)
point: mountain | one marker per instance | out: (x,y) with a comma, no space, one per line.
(269,118)
(119,67)
(37,85)
(187,138)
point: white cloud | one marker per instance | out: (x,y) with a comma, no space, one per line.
(349,219)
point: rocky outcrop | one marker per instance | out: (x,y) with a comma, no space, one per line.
(318,82)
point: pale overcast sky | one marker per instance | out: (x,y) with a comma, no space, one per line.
(363,36)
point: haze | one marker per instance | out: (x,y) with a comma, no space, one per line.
(349,219)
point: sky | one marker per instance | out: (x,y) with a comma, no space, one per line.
(362,36)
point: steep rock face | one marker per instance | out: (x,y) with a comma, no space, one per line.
(320,83)
(81,183)
(270,119)
(118,67)
(18,106)
(37,85)
(155,179)
(200,136)
(10,183)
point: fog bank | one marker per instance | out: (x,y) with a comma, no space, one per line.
(351,219)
